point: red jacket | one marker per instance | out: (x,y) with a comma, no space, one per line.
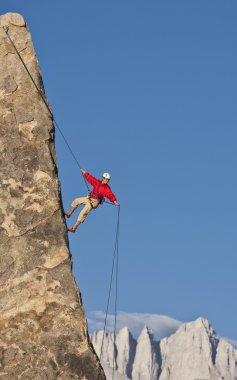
(100,189)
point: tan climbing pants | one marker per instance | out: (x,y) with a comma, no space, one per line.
(89,204)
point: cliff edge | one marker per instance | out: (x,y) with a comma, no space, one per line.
(42,321)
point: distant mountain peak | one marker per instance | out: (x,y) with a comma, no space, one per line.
(193,352)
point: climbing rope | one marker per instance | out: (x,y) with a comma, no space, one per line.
(5,28)
(116,290)
(115,261)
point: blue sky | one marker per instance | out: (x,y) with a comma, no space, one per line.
(147,91)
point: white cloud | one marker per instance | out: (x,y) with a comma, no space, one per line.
(161,325)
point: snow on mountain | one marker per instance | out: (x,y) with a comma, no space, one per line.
(193,352)
(109,373)
(108,346)
(190,353)
(125,348)
(145,365)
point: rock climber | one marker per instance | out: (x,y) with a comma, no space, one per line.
(100,190)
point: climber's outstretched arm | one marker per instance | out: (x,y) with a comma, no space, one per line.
(92,180)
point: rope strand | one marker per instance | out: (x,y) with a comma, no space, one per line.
(114,267)
(116,292)
(46,104)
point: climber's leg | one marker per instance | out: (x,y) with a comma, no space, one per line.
(89,205)
(69,213)
(74,205)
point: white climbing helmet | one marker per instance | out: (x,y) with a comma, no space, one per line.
(106,175)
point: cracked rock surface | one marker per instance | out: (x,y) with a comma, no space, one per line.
(43,327)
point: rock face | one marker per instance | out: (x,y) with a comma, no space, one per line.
(194,352)
(43,330)
(145,364)
(125,350)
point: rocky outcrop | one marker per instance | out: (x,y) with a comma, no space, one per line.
(43,330)
(146,365)
(125,348)
(193,352)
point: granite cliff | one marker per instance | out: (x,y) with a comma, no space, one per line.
(43,330)
(193,352)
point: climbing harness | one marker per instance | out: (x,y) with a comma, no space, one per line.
(91,201)
(115,260)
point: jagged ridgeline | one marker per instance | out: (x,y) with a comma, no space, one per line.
(193,352)
(43,327)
